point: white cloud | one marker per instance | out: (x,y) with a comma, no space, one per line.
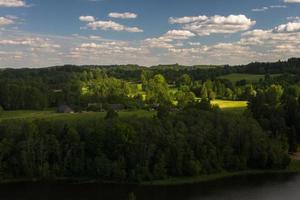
(33,42)
(95,37)
(160,42)
(289,27)
(12,3)
(292,1)
(220,24)
(110,52)
(260,9)
(179,34)
(293,19)
(111,25)
(194,43)
(186,20)
(178,45)
(107,47)
(4,21)
(265,8)
(280,42)
(165,41)
(126,15)
(22,49)
(278,6)
(87,18)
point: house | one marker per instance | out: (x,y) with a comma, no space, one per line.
(64,109)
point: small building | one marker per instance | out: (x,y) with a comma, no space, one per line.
(64,109)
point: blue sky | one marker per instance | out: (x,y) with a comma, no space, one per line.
(38,33)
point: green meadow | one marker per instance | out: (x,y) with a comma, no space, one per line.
(230,106)
(29,114)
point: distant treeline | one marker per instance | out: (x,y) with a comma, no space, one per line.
(196,141)
(50,87)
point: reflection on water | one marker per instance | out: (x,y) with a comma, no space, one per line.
(254,187)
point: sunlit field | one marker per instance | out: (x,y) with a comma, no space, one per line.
(231,106)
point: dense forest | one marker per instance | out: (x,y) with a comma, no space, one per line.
(187,137)
(195,141)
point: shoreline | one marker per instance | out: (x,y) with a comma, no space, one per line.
(293,168)
(212,177)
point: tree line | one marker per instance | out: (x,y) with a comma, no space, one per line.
(79,86)
(195,141)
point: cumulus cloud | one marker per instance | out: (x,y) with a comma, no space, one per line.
(22,49)
(4,55)
(111,25)
(278,6)
(260,9)
(108,25)
(110,51)
(291,1)
(12,3)
(203,25)
(179,34)
(107,47)
(280,42)
(165,41)
(265,8)
(35,43)
(176,45)
(289,27)
(87,18)
(293,19)
(194,43)
(4,21)
(126,15)
(185,20)
(160,42)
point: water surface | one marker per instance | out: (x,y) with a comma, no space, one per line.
(247,187)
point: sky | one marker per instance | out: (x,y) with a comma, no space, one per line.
(41,33)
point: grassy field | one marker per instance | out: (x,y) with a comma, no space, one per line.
(248,77)
(231,106)
(11,115)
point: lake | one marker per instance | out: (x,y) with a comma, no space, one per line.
(246,187)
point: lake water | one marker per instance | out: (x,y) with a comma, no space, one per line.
(250,187)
